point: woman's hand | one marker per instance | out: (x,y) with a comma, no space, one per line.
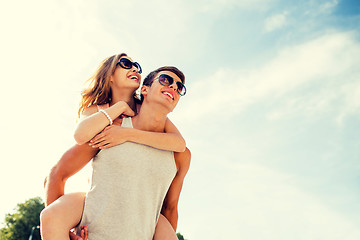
(83,234)
(126,110)
(93,122)
(109,137)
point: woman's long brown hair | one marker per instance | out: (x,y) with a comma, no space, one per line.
(99,92)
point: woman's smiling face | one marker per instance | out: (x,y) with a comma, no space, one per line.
(125,78)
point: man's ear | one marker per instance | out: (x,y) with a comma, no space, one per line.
(144,90)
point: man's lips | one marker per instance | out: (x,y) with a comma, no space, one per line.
(169,94)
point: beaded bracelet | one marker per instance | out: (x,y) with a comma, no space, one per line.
(107,115)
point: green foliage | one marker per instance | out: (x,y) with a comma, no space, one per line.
(180,237)
(18,225)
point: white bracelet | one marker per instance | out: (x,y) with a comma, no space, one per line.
(107,115)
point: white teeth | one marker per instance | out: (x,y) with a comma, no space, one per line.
(134,77)
(166,93)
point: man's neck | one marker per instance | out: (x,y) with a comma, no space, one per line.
(150,118)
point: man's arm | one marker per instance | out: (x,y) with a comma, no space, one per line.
(70,163)
(169,208)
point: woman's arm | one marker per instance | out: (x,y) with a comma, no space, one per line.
(113,135)
(92,122)
(171,140)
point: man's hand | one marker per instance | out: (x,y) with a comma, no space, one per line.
(83,234)
(109,137)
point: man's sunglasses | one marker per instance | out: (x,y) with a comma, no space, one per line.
(127,64)
(167,80)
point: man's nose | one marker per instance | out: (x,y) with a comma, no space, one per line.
(174,86)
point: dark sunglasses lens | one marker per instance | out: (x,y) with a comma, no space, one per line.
(181,88)
(125,63)
(165,80)
(137,65)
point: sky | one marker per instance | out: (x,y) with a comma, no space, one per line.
(271,113)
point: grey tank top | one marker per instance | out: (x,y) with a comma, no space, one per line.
(129,184)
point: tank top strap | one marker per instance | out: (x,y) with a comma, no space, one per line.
(127,122)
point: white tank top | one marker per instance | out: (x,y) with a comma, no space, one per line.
(129,184)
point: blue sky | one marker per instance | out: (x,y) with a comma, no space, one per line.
(271,115)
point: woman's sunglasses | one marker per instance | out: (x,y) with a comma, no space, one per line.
(167,80)
(127,64)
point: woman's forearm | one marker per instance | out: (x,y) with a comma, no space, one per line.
(165,141)
(94,122)
(170,139)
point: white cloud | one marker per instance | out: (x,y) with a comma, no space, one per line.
(342,99)
(316,8)
(216,6)
(330,60)
(275,22)
(255,202)
(351,97)
(328,6)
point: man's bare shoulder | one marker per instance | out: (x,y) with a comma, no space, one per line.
(182,160)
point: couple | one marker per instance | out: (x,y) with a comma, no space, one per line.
(139,162)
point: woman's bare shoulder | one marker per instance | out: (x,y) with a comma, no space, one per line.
(89,111)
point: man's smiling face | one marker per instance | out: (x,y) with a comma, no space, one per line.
(168,95)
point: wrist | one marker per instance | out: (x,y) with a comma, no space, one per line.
(120,104)
(130,134)
(107,116)
(120,107)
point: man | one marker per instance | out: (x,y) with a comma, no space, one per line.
(161,92)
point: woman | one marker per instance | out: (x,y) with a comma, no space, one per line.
(112,87)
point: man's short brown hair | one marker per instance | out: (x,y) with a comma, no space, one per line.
(150,77)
